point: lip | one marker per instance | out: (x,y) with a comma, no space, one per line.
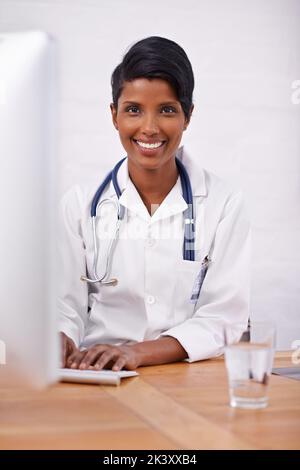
(149,141)
(145,151)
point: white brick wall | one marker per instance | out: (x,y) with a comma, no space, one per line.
(245,56)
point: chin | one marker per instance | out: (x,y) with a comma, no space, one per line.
(148,163)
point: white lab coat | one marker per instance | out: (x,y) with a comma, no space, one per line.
(152,297)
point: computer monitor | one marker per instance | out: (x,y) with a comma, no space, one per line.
(28,331)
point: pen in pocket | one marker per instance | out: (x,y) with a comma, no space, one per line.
(199,280)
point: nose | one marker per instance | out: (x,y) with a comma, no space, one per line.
(149,125)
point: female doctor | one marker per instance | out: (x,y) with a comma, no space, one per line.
(156,260)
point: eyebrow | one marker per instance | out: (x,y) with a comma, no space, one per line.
(167,103)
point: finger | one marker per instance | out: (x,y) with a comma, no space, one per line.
(74,353)
(75,359)
(91,356)
(71,357)
(105,358)
(70,349)
(63,351)
(119,364)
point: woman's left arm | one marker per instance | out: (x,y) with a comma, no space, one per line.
(225,292)
(160,351)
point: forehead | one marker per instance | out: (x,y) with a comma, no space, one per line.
(143,89)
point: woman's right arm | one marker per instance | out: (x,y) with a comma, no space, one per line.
(72,292)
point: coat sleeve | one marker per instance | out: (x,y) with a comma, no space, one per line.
(72,292)
(225,292)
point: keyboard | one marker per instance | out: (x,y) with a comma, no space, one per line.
(108,377)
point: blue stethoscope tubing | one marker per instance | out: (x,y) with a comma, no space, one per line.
(189,232)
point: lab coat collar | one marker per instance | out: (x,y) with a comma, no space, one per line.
(173,203)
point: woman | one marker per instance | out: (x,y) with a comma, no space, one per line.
(155,313)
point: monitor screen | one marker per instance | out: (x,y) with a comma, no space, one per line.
(28,333)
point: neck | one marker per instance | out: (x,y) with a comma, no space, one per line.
(153,185)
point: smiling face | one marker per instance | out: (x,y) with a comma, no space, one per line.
(150,121)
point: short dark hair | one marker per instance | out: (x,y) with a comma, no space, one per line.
(156,57)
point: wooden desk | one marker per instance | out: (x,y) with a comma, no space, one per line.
(177,406)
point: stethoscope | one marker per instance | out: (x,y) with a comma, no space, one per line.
(189,238)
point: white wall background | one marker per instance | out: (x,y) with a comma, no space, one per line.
(246,124)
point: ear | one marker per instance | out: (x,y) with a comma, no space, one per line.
(114,115)
(187,121)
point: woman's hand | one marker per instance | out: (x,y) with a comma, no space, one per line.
(67,348)
(106,356)
(159,351)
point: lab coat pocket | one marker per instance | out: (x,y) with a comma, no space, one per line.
(189,279)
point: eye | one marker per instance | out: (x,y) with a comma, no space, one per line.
(132,109)
(168,110)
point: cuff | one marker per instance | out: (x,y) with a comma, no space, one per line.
(200,342)
(70,329)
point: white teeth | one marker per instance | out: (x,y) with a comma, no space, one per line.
(149,146)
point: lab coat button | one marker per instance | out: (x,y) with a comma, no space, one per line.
(150,299)
(150,242)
